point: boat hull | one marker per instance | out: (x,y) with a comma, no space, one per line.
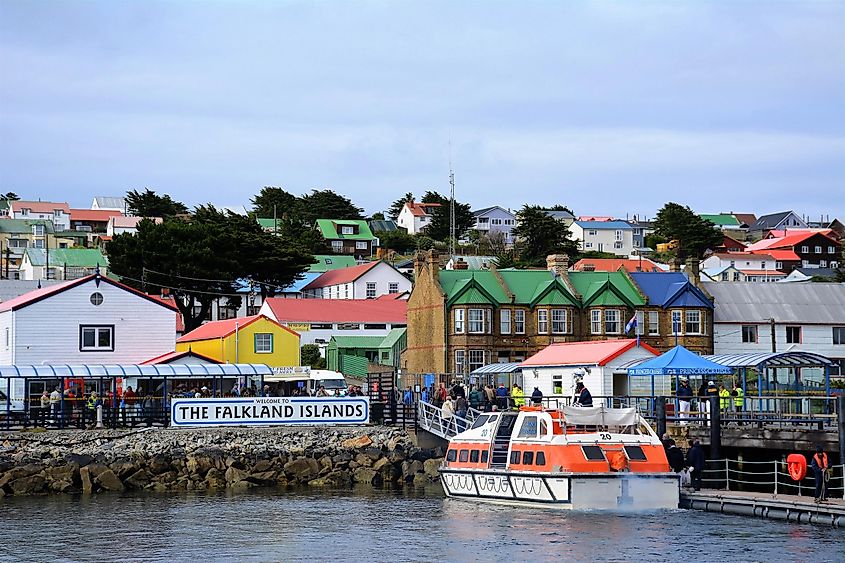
(578,491)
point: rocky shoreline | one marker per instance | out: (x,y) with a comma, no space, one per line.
(163,460)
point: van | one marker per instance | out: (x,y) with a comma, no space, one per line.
(16,400)
(330,380)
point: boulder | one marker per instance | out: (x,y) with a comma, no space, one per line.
(262,478)
(302,469)
(200,461)
(27,485)
(109,481)
(123,468)
(235,475)
(96,469)
(410,470)
(333,479)
(19,472)
(138,480)
(367,475)
(363,460)
(381,464)
(80,459)
(69,472)
(430,467)
(61,486)
(87,480)
(357,443)
(215,479)
(262,465)
(420,480)
(158,464)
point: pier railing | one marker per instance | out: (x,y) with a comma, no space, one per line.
(767,476)
(432,420)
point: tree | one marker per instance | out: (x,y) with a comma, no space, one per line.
(694,234)
(10,196)
(438,228)
(398,241)
(396,207)
(325,204)
(273,201)
(377,216)
(309,355)
(150,204)
(539,234)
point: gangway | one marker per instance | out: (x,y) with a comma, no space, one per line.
(430,420)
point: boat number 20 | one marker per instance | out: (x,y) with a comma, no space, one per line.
(604,436)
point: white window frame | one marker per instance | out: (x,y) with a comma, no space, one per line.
(818,250)
(542,321)
(519,321)
(475,319)
(692,313)
(263,342)
(677,322)
(337,245)
(562,321)
(831,250)
(654,323)
(360,245)
(392,287)
(460,315)
(504,321)
(595,321)
(475,359)
(618,235)
(38,230)
(371,290)
(460,361)
(347,230)
(805,249)
(97,331)
(607,321)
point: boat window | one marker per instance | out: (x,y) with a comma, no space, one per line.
(451,455)
(480,421)
(514,457)
(593,453)
(529,427)
(544,427)
(473,456)
(493,417)
(464,455)
(541,458)
(635,453)
(527,458)
(485,455)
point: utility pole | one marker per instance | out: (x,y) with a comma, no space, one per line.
(451,202)
(774,340)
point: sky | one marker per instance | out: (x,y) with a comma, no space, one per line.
(610,108)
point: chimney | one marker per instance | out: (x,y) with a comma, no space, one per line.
(693,271)
(675,265)
(558,263)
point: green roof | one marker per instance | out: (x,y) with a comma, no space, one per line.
(456,283)
(328,228)
(72,257)
(21,226)
(721,219)
(326,262)
(608,288)
(529,285)
(268,223)
(393,337)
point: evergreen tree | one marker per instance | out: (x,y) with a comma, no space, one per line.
(694,234)
(272,199)
(539,234)
(438,227)
(396,207)
(326,204)
(150,204)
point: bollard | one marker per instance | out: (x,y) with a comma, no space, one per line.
(661,416)
(715,428)
(100,416)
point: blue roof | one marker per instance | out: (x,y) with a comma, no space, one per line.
(679,361)
(670,289)
(615,225)
(297,286)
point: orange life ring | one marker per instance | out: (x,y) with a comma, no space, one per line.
(618,461)
(796,464)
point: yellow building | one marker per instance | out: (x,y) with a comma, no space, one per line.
(246,340)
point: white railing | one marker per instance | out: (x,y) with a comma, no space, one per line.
(730,474)
(430,419)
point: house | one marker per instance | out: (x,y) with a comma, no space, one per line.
(460,320)
(62,263)
(615,237)
(725,221)
(348,236)
(351,355)
(252,340)
(806,249)
(325,262)
(471,262)
(416,216)
(365,281)
(775,221)
(107,203)
(91,220)
(16,235)
(601,218)
(269,225)
(730,244)
(600,363)
(120,224)
(614,264)
(807,317)
(495,219)
(58,213)
(809,274)
(748,263)
(89,320)
(728,273)
(317,323)
(565,217)
(640,230)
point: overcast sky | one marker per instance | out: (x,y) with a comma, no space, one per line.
(607,107)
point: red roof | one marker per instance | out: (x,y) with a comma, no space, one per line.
(38,206)
(341,275)
(788,241)
(779,233)
(222,329)
(93,215)
(37,295)
(772,273)
(598,352)
(418,209)
(600,218)
(780,255)
(613,264)
(394,311)
(170,356)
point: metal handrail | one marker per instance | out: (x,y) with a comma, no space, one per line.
(431,420)
(777,479)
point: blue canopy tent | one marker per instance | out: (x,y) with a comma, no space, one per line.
(677,362)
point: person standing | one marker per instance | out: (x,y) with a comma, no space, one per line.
(460,412)
(502,397)
(583,398)
(684,400)
(475,398)
(56,403)
(674,456)
(703,400)
(44,411)
(537,397)
(739,397)
(724,398)
(447,414)
(820,466)
(518,397)
(695,460)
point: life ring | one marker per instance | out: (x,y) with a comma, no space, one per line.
(618,461)
(796,464)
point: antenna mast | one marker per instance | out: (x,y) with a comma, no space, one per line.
(451,202)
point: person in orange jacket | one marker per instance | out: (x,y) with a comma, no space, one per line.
(820,465)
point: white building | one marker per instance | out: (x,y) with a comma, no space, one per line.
(616,237)
(90,320)
(495,220)
(58,213)
(122,224)
(365,281)
(108,203)
(742,267)
(415,216)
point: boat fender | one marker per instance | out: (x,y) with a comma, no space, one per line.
(618,461)
(796,464)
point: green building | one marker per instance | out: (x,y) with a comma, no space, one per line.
(350,355)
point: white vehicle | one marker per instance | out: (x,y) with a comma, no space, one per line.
(331,381)
(16,400)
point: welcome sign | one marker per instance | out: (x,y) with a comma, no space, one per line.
(274,411)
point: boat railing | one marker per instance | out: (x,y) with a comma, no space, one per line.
(431,419)
(767,477)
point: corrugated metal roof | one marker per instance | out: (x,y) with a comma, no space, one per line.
(820,303)
(509,367)
(771,359)
(132,370)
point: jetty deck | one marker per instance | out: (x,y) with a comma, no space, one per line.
(792,508)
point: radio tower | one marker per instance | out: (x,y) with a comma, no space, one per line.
(451,203)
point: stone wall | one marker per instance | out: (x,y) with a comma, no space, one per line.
(161,459)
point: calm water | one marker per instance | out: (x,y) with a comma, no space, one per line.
(371,525)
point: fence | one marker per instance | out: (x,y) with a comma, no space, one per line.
(766,477)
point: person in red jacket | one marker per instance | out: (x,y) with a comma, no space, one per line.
(820,465)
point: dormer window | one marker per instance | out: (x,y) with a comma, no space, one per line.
(25,211)
(38,230)
(347,230)
(57,213)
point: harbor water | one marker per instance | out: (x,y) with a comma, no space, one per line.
(381,525)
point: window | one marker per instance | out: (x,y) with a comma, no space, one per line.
(778,265)
(505,321)
(593,453)
(463,456)
(724,276)
(38,230)
(588,245)
(375,326)
(347,230)
(483,220)
(528,428)
(611,321)
(371,290)
(251,311)
(736,276)
(822,263)
(617,244)
(451,455)
(541,458)
(25,211)
(542,321)
(519,321)
(591,233)
(805,249)
(96,298)
(838,335)
(476,359)
(361,245)
(793,335)
(676,322)
(57,213)
(385,355)
(393,287)
(559,321)
(618,236)
(818,250)
(96,338)
(263,343)
(495,221)
(653,323)
(348,326)
(459,321)
(831,250)
(693,322)
(198,312)
(527,458)
(635,453)
(225,312)
(8,338)
(476,321)
(485,455)
(337,246)
(509,221)
(595,321)
(321,326)
(516,456)
(473,456)
(749,334)
(460,364)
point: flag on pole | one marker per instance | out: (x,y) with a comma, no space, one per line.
(632,324)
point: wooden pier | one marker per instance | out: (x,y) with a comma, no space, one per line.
(791,508)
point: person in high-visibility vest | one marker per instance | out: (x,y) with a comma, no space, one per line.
(820,465)
(517,396)
(724,398)
(739,397)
